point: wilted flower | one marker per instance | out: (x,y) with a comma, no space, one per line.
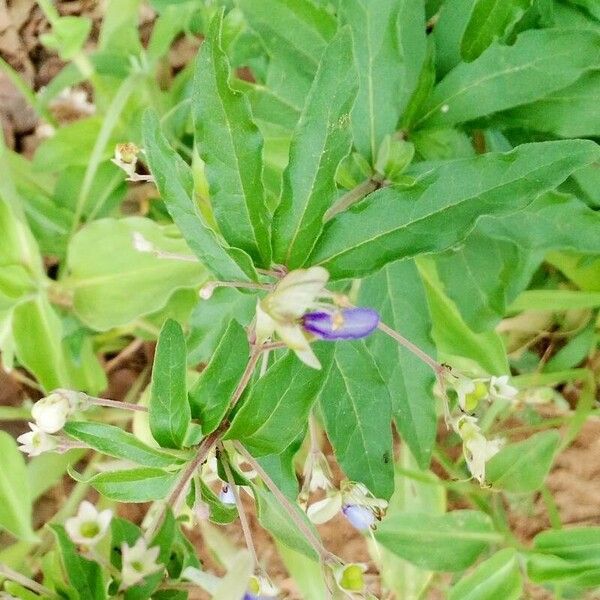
(126,158)
(344,324)
(317,474)
(500,389)
(36,441)
(476,448)
(50,413)
(138,562)
(89,526)
(226,495)
(355,502)
(280,311)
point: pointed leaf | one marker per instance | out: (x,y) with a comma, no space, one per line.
(321,140)
(442,207)
(231,147)
(176,186)
(169,409)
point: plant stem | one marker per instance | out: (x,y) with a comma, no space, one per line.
(34,586)
(324,555)
(241,386)
(352,197)
(238,501)
(115,404)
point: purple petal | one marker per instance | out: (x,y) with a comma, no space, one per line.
(360,517)
(346,324)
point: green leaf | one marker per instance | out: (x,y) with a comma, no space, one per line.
(394,223)
(449,542)
(274,518)
(539,63)
(389,48)
(277,407)
(231,147)
(568,112)
(102,273)
(15,491)
(219,513)
(132,485)
(575,543)
(113,441)
(498,258)
(497,577)
(84,575)
(398,294)
(169,409)
(490,20)
(211,394)
(321,140)
(523,466)
(356,408)
(176,186)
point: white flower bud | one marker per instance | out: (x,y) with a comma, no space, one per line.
(50,413)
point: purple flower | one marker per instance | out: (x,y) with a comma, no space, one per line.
(345,324)
(360,517)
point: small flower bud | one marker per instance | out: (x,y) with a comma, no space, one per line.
(127,153)
(50,413)
(350,577)
(345,324)
(360,517)
(206,291)
(141,244)
(226,495)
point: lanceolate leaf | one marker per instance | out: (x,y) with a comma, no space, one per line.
(15,492)
(169,407)
(539,63)
(321,140)
(176,185)
(398,294)
(277,407)
(113,441)
(449,542)
(356,407)
(490,20)
(211,395)
(231,146)
(389,47)
(441,208)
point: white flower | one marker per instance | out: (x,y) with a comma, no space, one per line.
(138,562)
(226,495)
(50,413)
(476,448)
(317,474)
(89,526)
(500,389)
(36,441)
(75,100)
(279,312)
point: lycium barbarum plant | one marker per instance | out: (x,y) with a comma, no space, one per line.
(358,243)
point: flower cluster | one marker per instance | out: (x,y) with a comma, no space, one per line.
(50,415)
(300,309)
(477,450)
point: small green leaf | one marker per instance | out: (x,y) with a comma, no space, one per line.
(169,408)
(15,492)
(132,485)
(84,575)
(274,518)
(321,140)
(113,441)
(277,407)
(176,186)
(523,466)
(490,20)
(443,205)
(357,410)
(231,147)
(497,577)
(449,542)
(211,395)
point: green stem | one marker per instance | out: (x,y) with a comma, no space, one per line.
(352,197)
(30,584)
